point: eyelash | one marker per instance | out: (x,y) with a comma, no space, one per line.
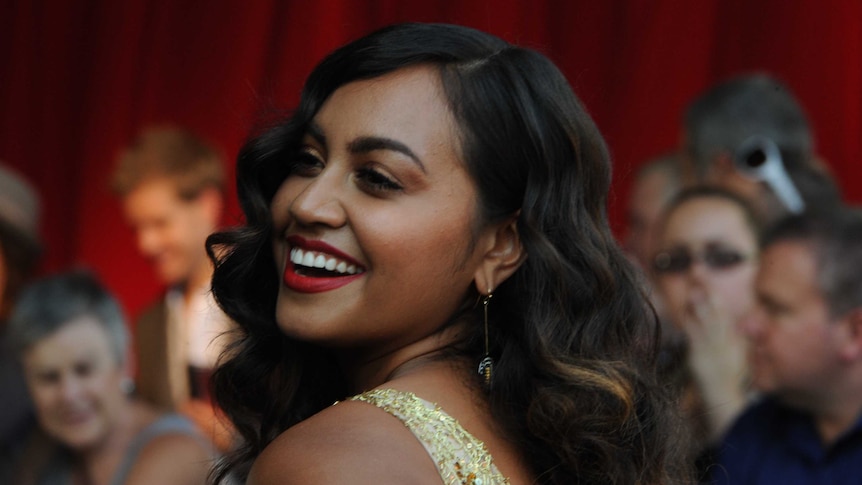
(304,164)
(376,180)
(308,165)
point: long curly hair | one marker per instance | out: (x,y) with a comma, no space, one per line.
(573,338)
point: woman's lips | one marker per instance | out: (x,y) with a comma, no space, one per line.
(314,266)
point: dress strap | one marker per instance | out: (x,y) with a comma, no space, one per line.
(460,458)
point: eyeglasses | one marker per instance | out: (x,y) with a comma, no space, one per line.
(679,260)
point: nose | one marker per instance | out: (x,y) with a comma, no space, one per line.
(698,270)
(320,202)
(70,389)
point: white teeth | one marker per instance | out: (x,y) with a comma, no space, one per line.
(319,261)
(308,260)
(311,259)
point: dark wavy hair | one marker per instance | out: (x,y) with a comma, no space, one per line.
(572,335)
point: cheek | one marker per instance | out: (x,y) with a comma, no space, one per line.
(106,383)
(182,232)
(737,290)
(409,257)
(196,223)
(430,258)
(45,397)
(797,358)
(673,289)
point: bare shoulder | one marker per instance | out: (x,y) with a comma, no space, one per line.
(350,442)
(172,459)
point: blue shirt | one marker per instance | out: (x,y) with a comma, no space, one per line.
(771,444)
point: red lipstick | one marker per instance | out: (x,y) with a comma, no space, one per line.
(316,284)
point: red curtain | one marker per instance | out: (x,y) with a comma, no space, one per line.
(79,78)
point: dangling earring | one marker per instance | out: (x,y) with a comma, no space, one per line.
(487,363)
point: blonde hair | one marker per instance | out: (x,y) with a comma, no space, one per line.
(173,153)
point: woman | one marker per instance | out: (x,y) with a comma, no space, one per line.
(435,207)
(71,338)
(705,269)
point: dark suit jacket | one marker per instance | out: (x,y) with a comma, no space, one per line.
(162,377)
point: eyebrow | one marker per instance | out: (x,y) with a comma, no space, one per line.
(367,144)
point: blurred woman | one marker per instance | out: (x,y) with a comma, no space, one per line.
(71,338)
(426,244)
(705,268)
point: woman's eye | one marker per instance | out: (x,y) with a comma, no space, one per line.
(306,164)
(376,181)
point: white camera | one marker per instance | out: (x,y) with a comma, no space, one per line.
(759,158)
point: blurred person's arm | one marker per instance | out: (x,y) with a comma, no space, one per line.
(172,459)
(717,356)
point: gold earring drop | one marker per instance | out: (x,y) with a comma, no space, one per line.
(487,363)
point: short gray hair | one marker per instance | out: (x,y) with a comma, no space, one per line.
(47,305)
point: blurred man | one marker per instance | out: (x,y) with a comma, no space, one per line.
(20,248)
(171,185)
(806,357)
(720,120)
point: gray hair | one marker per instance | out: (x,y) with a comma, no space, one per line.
(834,238)
(47,305)
(722,118)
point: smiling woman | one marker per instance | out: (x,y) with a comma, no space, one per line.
(427,169)
(71,338)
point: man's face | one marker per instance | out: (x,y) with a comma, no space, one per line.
(795,342)
(171,232)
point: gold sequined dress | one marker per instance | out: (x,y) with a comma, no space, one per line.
(461,459)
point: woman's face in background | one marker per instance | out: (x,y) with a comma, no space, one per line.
(375,229)
(75,382)
(709,254)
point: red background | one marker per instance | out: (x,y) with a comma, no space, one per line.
(79,78)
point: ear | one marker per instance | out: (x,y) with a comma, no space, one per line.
(502,255)
(851,347)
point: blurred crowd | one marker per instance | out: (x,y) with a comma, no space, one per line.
(749,256)
(752,263)
(83,402)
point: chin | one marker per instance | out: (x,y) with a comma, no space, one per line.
(302,333)
(80,441)
(762,383)
(80,437)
